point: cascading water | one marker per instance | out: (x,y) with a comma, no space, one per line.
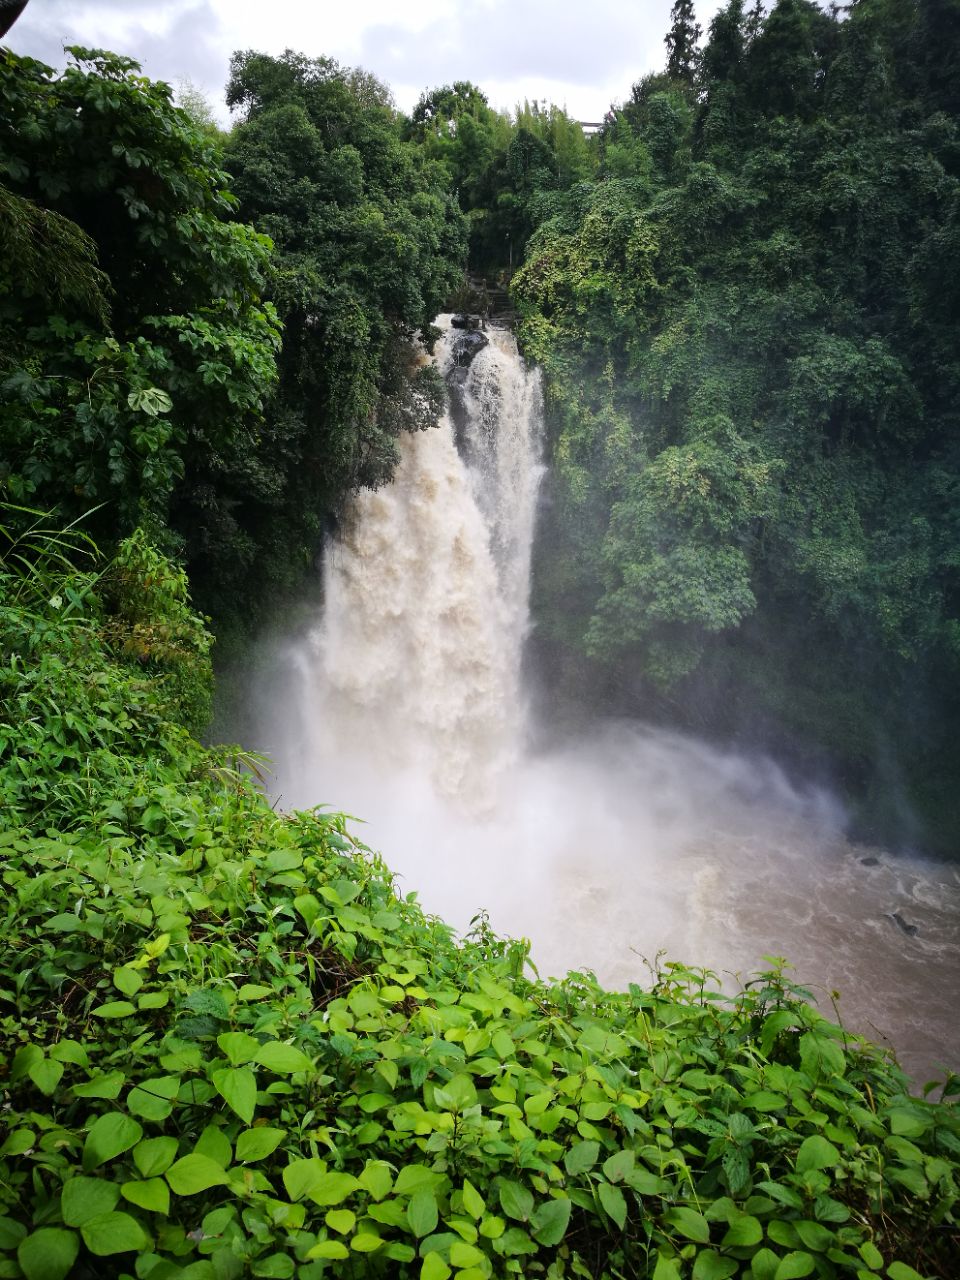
(403,704)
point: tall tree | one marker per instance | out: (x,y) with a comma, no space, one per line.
(681,41)
(135,349)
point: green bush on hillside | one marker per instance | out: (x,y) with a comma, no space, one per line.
(230,1049)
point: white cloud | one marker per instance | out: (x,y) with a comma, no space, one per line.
(582,55)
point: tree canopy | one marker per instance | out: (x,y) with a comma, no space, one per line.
(749,331)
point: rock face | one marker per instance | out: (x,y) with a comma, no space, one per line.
(466,322)
(466,346)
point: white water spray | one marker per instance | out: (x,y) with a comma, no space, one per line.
(403,704)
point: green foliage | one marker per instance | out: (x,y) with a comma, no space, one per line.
(506,172)
(369,243)
(231,1049)
(136,351)
(151,623)
(752,375)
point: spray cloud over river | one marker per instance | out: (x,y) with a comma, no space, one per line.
(403,704)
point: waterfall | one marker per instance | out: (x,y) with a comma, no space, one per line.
(416,661)
(402,703)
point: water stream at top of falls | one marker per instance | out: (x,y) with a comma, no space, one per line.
(402,702)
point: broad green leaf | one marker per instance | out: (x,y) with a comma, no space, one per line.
(795,1265)
(277,1266)
(114,1233)
(127,980)
(17,1142)
(301,1176)
(329,1249)
(400,1252)
(254,991)
(371,1102)
(341,1220)
(376,1178)
(46,1075)
(195,1173)
(821,1056)
(115,1009)
(48,1254)
(307,906)
(614,1202)
(69,1051)
(422,1212)
(763,1265)
(257,1144)
(213,1142)
(11,1233)
(871,1255)
(515,1200)
(366,1242)
(154,1156)
(101,1086)
(238,1088)
(815,1236)
(581,1157)
(689,1223)
(619,1165)
(434,1268)
(86,1198)
(765,1101)
(332,1188)
(743,1231)
(711,1266)
(153,1195)
(900,1271)
(908,1124)
(26,1057)
(238,1047)
(549,1223)
(666,1268)
(282,1059)
(109,1136)
(736,1166)
(466,1255)
(473,1201)
(414,1176)
(502,1044)
(457,1094)
(816,1153)
(153,1098)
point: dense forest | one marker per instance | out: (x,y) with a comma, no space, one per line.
(228,1047)
(749,323)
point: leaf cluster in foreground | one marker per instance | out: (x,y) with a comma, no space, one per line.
(230,1049)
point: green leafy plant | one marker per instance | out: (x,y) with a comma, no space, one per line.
(230,1048)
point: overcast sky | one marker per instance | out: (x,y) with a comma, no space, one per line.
(580,55)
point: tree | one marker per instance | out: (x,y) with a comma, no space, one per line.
(369,244)
(751,362)
(142,353)
(681,41)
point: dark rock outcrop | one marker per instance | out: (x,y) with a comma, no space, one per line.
(911,930)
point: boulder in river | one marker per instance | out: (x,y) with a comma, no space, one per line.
(466,346)
(911,930)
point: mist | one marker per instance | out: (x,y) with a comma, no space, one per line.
(401,701)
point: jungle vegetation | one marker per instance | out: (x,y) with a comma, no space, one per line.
(228,1046)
